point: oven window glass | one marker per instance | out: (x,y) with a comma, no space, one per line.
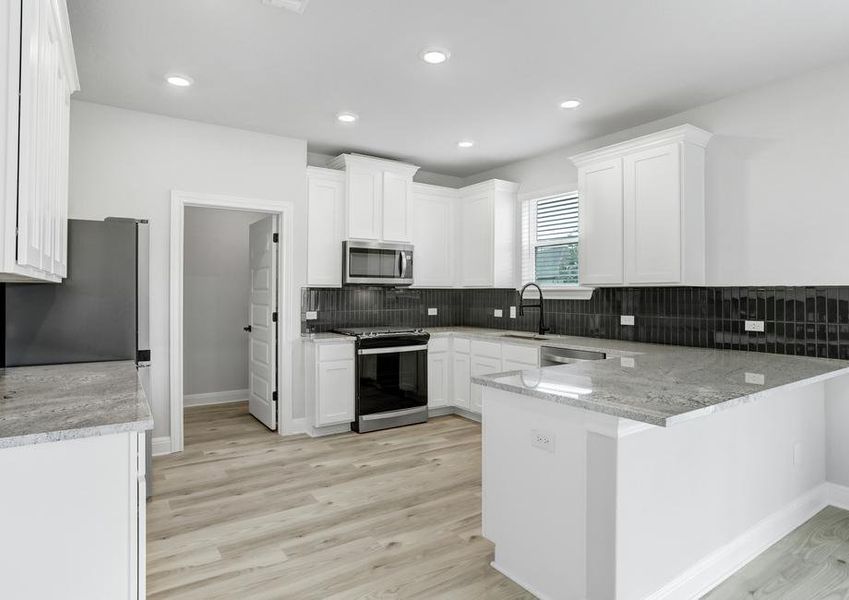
(368,262)
(392,381)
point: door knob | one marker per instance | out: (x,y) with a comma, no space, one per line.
(248,328)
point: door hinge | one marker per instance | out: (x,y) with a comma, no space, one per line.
(275,238)
(274,316)
(274,396)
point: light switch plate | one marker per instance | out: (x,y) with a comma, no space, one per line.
(626,320)
(512,312)
(498,313)
(432,312)
(754,325)
(312,315)
(627,362)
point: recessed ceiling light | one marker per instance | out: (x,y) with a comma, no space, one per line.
(435,56)
(346,117)
(571,103)
(297,6)
(179,80)
(465,144)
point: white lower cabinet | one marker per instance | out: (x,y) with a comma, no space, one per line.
(72,519)
(461,372)
(439,373)
(331,383)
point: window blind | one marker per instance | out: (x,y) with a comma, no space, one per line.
(550,241)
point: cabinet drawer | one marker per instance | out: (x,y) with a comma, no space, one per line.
(341,351)
(488,349)
(520,354)
(461,345)
(440,344)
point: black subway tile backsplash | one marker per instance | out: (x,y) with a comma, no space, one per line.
(812,321)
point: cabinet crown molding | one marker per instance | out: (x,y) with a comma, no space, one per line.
(345,161)
(494,185)
(686,133)
(335,174)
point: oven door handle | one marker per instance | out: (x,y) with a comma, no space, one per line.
(394,350)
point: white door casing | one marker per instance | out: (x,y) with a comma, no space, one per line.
(262,347)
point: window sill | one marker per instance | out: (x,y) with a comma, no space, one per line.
(576,292)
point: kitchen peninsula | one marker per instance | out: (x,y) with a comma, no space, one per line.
(72,471)
(654,473)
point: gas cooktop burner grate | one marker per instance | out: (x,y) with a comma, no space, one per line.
(379,331)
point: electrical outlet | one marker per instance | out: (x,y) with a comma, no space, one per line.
(498,313)
(755,378)
(754,325)
(312,315)
(512,312)
(544,440)
(626,320)
(432,312)
(627,362)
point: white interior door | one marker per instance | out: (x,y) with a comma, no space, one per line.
(262,349)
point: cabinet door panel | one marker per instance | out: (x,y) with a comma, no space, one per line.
(432,229)
(365,195)
(481,365)
(324,231)
(653,216)
(600,241)
(335,402)
(461,374)
(438,381)
(396,207)
(476,243)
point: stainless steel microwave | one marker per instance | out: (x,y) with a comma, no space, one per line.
(377,263)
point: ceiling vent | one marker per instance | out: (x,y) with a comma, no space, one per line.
(297,6)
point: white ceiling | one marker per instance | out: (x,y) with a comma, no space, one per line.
(513,61)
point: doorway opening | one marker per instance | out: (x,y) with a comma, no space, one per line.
(230,294)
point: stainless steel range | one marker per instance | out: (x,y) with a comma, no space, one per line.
(391,377)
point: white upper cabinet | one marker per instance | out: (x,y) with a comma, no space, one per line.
(378,193)
(486,234)
(600,240)
(326,226)
(432,211)
(642,210)
(37,77)
(652,194)
(396,207)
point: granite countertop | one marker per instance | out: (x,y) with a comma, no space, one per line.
(665,385)
(59,402)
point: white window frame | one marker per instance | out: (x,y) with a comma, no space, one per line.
(528,245)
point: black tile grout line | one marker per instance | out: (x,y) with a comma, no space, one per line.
(809,320)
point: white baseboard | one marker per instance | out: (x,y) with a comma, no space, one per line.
(294,427)
(519,582)
(160,445)
(329,430)
(215,398)
(838,495)
(722,563)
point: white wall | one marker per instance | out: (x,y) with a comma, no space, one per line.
(776,181)
(125,163)
(216,297)
(836,420)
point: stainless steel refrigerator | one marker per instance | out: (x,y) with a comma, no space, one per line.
(100,311)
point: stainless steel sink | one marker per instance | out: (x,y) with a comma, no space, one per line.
(524,336)
(549,355)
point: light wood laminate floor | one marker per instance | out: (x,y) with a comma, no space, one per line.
(808,564)
(243,513)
